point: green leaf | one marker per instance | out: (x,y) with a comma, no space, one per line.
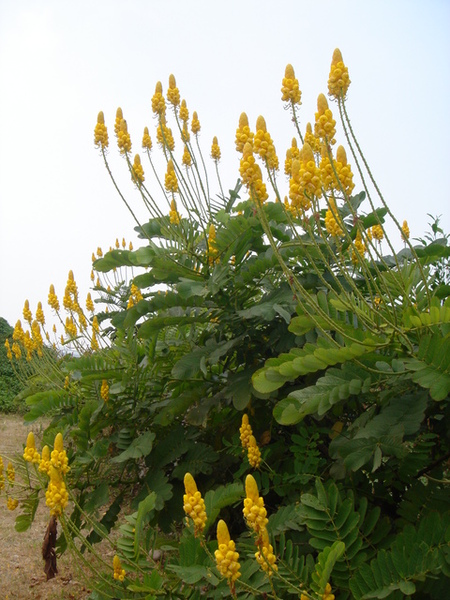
(139,447)
(144,508)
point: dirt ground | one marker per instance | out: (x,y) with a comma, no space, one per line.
(21,566)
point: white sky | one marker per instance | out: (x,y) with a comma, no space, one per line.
(62,61)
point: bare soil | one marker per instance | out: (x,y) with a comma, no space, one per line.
(21,566)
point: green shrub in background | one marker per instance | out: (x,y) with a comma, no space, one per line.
(253,334)
(9,383)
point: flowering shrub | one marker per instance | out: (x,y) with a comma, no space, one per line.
(279,299)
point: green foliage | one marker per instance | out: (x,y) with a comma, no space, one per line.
(10,385)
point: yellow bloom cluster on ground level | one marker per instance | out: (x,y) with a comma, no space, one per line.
(193,504)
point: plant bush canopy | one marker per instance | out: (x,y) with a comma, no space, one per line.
(256,402)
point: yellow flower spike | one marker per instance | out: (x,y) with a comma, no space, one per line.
(2,477)
(344,172)
(53,299)
(185,135)
(123,138)
(195,125)
(331,220)
(45,463)
(215,150)
(251,174)
(173,93)
(30,454)
(265,556)
(377,232)
(405,231)
(158,102)
(325,125)
(358,249)
(56,496)
(309,177)
(184,113)
(137,172)
(164,135)
(226,556)
(89,303)
(174,215)
(311,139)
(104,391)
(95,324)
(171,181)
(292,153)
(8,350)
(27,315)
(124,244)
(130,246)
(58,455)
(12,504)
(338,81)
(243,133)
(193,504)
(263,144)
(94,341)
(254,511)
(117,122)
(187,158)
(100,132)
(290,91)
(245,432)
(146,139)
(40,318)
(119,573)
(253,453)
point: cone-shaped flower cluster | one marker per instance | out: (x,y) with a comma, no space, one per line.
(30,454)
(135,296)
(193,504)
(171,182)
(104,391)
(325,125)
(137,171)
(226,556)
(174,215)
(215,150)
(290,90)
(100,132)
(119,572)
(263,144)
(338,81)
(243,133)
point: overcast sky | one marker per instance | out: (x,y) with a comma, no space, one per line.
(61,62)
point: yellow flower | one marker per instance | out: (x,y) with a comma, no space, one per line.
(292,153)
(184,113)
(173,93)
(331,223)
(245,431)
(119,573)
(254,511)
(215,150)
(327,595)
(104,390)
(8,350)
(45,463)
(12,504)
(377,232)
(2,477)
(251,174)
(100,132)
(94,341)
(119,117)
(359,249)
(158,102)
(40,318)
(344,172)
(187,158)
(265,556)
(405,230)
(164,135)
(174,215)
(226,556)
(58,456)
(253,453)
(56,496)
(243,133)
(135,295)
(212,246)
(263,144)
(338,81)
(53,299)
(311,139)
(123,138)
(195,125)
(146,139)
(89,303)
(16,350)
(290,91)
(30,454)
(27,315)
(171,182)
(193,504)
(137,172)
(325,125)
(70,327)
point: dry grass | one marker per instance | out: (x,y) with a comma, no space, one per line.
(21,566)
